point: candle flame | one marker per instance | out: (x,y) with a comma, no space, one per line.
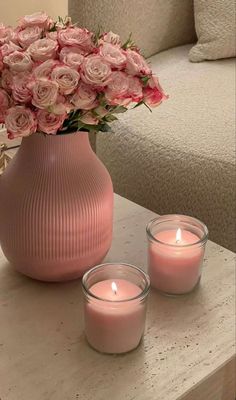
(178,235)
(114,287)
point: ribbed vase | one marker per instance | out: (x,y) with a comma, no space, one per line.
(56,207)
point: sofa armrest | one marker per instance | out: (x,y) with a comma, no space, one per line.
(155,24)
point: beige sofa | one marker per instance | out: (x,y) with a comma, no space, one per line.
(180,158)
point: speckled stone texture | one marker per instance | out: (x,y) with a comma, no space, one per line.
(181,157)
(188,351)
(215,27)
(155,24)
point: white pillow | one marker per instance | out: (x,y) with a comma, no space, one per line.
(215,27)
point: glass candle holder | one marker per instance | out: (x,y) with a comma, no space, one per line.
(115,300)
(176,246)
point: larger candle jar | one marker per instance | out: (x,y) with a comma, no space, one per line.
(176,245)
(115,299)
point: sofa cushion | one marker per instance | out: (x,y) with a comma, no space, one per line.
(155,25)
(215,27)
(181,157)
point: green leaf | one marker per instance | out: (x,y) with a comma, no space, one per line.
(145,79)
(91,128)
(102,100)
(119,109)
(138,104)
(87,128)
(129,43)
(110,118)
(147,106)
(80,125)
(104,128)
(65,132)
(96,36)
(53,28)
(73,114)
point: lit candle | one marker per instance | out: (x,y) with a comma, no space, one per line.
(115,309)
(175,254)
(117,290)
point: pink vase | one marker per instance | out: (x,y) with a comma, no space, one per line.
(56,206)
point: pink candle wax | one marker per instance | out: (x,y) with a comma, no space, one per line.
(175,269)
(114,323)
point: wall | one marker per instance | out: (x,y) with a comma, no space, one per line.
(11,10)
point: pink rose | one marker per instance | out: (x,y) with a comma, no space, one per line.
(95,71)
(1,62)
(60,108)
(84,97)
(49,24)
(110,37)
(39,19)
(20,90)
(20,121)
(44,70)
(29,35)
(67,78)
(14,36)
(9,48)
(135,89)
(44,93)
(52,35)
(72,57)
(62,105)
(43,49)
(154,83)
(76,37)
(6,34)
(5,102)
(89,119)
(136,64)
(117,89)
(18,61)
(113,55)
(49,123)
(153,93)
(7,80)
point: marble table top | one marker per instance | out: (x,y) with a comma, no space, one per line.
(188,349)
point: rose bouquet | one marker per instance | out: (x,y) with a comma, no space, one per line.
(58,78)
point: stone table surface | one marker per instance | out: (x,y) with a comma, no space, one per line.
(187,353)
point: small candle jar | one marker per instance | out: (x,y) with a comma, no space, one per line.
(176,245)
(115,299)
